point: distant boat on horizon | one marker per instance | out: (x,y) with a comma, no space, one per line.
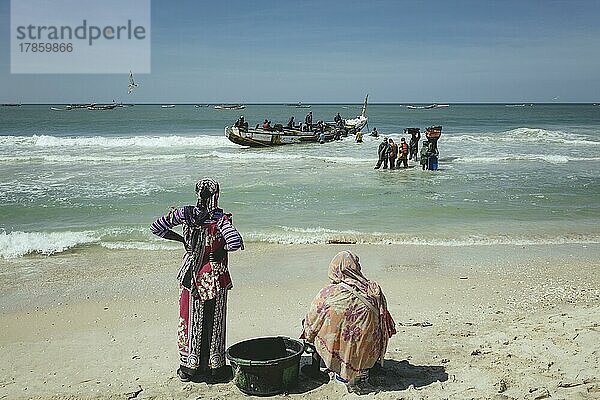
(11,105)
(168,106)
(427,107)
(230,107)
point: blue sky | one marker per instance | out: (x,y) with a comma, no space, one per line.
(337,51)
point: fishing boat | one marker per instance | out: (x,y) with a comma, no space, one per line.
(427,107)
(300,105)
(200,105)
(280,135)
(354,125)
(168,106)
(266,138)
(230,107)
(103,107)
(69,107)
(11,105)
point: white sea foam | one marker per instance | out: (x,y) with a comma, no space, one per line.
(141,245)
(523,135)
(254,155)
(549,158)
(16,244)
(289,235)
(43,141)
(89,159)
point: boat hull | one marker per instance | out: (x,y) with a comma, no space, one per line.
(261,138)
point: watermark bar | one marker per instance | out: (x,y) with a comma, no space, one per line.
(79,36)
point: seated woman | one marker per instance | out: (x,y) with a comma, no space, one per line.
(348,321)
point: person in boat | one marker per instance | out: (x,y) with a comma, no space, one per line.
(392,153)
(308,121)
(290,123)
(241,123)
(382,152)
(403,153)
(266,125)
(348,322)
(204,280)
(425,155)
(415,136)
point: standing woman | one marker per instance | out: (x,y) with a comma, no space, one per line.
(204,280)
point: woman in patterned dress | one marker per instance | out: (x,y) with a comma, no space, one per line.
(208,235)
(348,321)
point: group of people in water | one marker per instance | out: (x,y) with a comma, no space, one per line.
(397,155)
(307,126)
(347,323)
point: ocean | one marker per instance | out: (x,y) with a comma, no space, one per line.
(507,175)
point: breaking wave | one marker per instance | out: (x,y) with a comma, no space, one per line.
(552,159)
(524,135)
(17,244)
(43,141)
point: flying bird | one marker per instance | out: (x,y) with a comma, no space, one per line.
(132,85)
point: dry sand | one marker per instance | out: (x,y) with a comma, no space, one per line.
(505,321)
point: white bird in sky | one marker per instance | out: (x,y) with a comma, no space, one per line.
(132,85)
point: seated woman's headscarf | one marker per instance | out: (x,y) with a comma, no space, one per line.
(348,320)
(345,268)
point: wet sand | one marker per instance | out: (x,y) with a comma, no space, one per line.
(479,322)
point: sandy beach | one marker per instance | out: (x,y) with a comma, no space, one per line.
(474,322)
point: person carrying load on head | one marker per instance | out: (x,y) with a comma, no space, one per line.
(415,136)
(348,323)
(433,134)
(403,153)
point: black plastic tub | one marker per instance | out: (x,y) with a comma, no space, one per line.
(266,366)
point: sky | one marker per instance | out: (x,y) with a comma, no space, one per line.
(259,51)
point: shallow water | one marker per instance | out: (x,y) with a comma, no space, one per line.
(516,175)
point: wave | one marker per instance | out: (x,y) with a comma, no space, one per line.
(282,156)
(121,159)
(141,246)
(524,135)
(17,244)
(44,141)
(290,235)
(552,159)
(67,159)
